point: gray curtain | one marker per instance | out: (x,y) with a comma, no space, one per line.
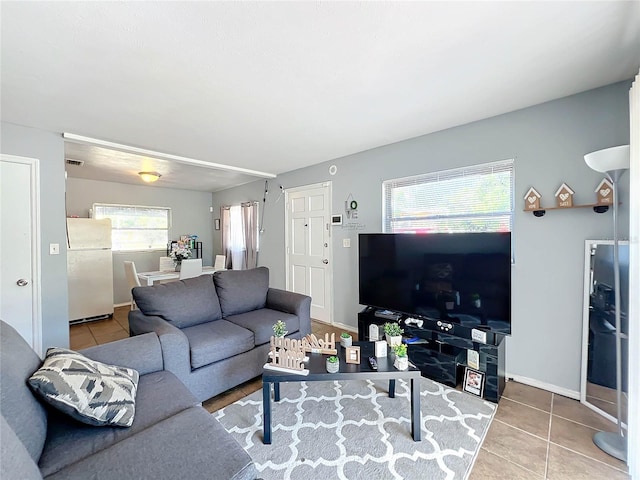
(250,234)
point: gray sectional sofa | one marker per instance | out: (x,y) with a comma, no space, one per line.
(171,436)
(215,331)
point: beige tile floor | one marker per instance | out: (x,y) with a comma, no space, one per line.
(535,434)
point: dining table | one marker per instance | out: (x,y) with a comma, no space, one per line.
(147,278)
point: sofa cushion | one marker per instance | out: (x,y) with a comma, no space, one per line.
(183,303)
(20,408)
(260,322)
(160,395)
(214,341)
(191,445)
(89,391)
(240,291)
(15,460)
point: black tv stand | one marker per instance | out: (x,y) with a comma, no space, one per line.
(440,351)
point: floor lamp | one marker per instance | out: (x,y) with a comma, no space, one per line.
(613,162)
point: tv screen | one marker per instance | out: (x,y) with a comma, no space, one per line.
(463,278)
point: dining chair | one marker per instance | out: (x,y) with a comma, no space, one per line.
(132,279)
(167,264)
(220,263)
(191,268)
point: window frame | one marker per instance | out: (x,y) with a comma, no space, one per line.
(441,176)
(97,205)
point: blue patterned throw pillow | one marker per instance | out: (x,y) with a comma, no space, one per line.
(91,392)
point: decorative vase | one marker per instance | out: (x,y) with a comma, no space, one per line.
(401,363)
(395,340)
(333,367)
(178,265)
(346,341)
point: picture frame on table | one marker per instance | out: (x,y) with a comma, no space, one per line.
(473,381)
(352,354)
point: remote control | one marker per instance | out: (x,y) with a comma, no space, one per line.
(373,363)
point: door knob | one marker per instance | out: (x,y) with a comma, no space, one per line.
(325,261)
(22,282)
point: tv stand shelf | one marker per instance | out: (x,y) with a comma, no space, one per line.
(442,355)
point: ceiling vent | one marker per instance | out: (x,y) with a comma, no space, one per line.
(77,163)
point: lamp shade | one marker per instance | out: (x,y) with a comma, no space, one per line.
(609,159)
(149,177)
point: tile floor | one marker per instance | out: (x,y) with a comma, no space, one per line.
(534,435)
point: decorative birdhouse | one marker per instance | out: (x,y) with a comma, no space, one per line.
(564,196)
(532,200)
(604,192)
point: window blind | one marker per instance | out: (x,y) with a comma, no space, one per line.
(477,198)
(135,227)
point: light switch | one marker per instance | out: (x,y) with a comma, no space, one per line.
(346,242)
(54,249)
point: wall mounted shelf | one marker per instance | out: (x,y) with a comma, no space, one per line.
(597,207)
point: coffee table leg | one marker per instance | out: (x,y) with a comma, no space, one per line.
(392,388)
(266,411)
(416,429)
(276,391)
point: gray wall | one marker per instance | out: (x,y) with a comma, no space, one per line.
(48,148)
(548,142)
(189,215)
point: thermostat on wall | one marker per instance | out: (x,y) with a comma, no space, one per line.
(336,219)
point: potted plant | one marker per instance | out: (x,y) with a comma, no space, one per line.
(346,340)
(180,252)
(393,333)
(333,364)
(280,329)
(475,300)
(401,361)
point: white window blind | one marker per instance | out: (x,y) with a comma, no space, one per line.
(478,198)
(136,227)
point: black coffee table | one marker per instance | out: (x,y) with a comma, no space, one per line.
(348,371)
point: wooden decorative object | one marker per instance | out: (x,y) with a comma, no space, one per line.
(604,192)
(532,200)
(287,355)
(314,345)
(564,196)
(352,354)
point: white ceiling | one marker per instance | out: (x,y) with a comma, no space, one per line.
(275,86)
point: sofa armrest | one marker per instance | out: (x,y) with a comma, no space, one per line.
(142,353)
(294,303)
(174,343)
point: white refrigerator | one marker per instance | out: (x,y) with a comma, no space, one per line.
(89,269)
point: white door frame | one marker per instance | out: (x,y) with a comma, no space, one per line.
(35,279)
(288,191)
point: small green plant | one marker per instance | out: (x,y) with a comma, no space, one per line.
(333,359)
(475,296)
(393,329)
(280,329)
(345,335)
(400,350)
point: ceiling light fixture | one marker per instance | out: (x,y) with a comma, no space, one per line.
(149,177)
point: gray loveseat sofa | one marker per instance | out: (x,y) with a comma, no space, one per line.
(215,332)
(171,436)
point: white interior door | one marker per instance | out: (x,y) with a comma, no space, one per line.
(308,246)
(19,247)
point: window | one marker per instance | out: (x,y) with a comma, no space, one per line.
(470,199)
(136,227)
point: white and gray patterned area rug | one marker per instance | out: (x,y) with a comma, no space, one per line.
(353,430)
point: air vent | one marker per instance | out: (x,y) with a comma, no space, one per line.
(77,163)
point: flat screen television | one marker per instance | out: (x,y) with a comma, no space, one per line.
(464,278)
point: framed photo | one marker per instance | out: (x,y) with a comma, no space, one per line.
(352,354)
(473,381)
(216,224)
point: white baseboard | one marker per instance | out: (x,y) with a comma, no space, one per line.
(126,304)
(565,392)
(341,326)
